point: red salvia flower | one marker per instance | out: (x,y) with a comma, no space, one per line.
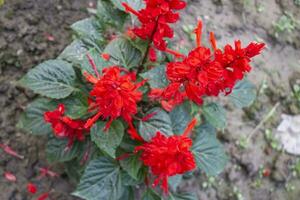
(31,188)
(114,94)
(205,73)
(168,156)
(65,127)
(155,19)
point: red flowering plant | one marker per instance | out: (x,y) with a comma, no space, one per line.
(125,113)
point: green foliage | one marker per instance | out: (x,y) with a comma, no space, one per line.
(215,114)
(286,23)
(32,120)
(99,62)
(209,153)
(156,77)
(243,94)
(132,165)
(123,53)
(101,180)
(75,52)
(109,140)
(135,4)
(150,194)
(159,122)
(109,15)
(76,105)
(53,78)
(88,28)
(180,117)
(57,150)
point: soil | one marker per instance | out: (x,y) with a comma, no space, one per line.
(25,27)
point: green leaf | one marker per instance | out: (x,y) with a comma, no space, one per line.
(101,180)
(108,141)
(174,181)
(183,196)
(96,56)
(76,106)
(159,122)
(150,195)
(53,79)
(128,194)
(180,117)
(127,180)
(132,165)
(88,28)
(243,94)
(109,15)
(75,52)
(156,77)
(123,53)
(135,4)
(209,153)
(215,114)
(56,150)
(32,120)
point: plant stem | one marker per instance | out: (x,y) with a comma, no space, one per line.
(141,67)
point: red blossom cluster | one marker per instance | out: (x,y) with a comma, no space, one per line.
(168,156)
(65,127)
(114,94)
(205,73)
(155,19)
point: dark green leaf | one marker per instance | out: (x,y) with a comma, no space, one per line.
(159,122)
(108,141)
(174,181)
(56,150)
(128,194)
(180,117)
(87,28)
(75,52)
(183,196)
(32,120)
(127,180)
(215,114)
(53,78)
(209,153)
(132,165)
(108,14)
(76,106)
(96,56)
(135,4)
(156,77)
(151,195)
(243,94)
(123,53)
(101,180)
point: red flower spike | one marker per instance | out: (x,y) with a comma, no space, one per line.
(43,196)
(65,127)
(155,19)
(198,32)
(10,177)
(213,40)
(168,156)
(115,94)
(31,188)
(10,151)
(203,73)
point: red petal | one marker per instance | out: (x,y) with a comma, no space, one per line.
(10,177)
